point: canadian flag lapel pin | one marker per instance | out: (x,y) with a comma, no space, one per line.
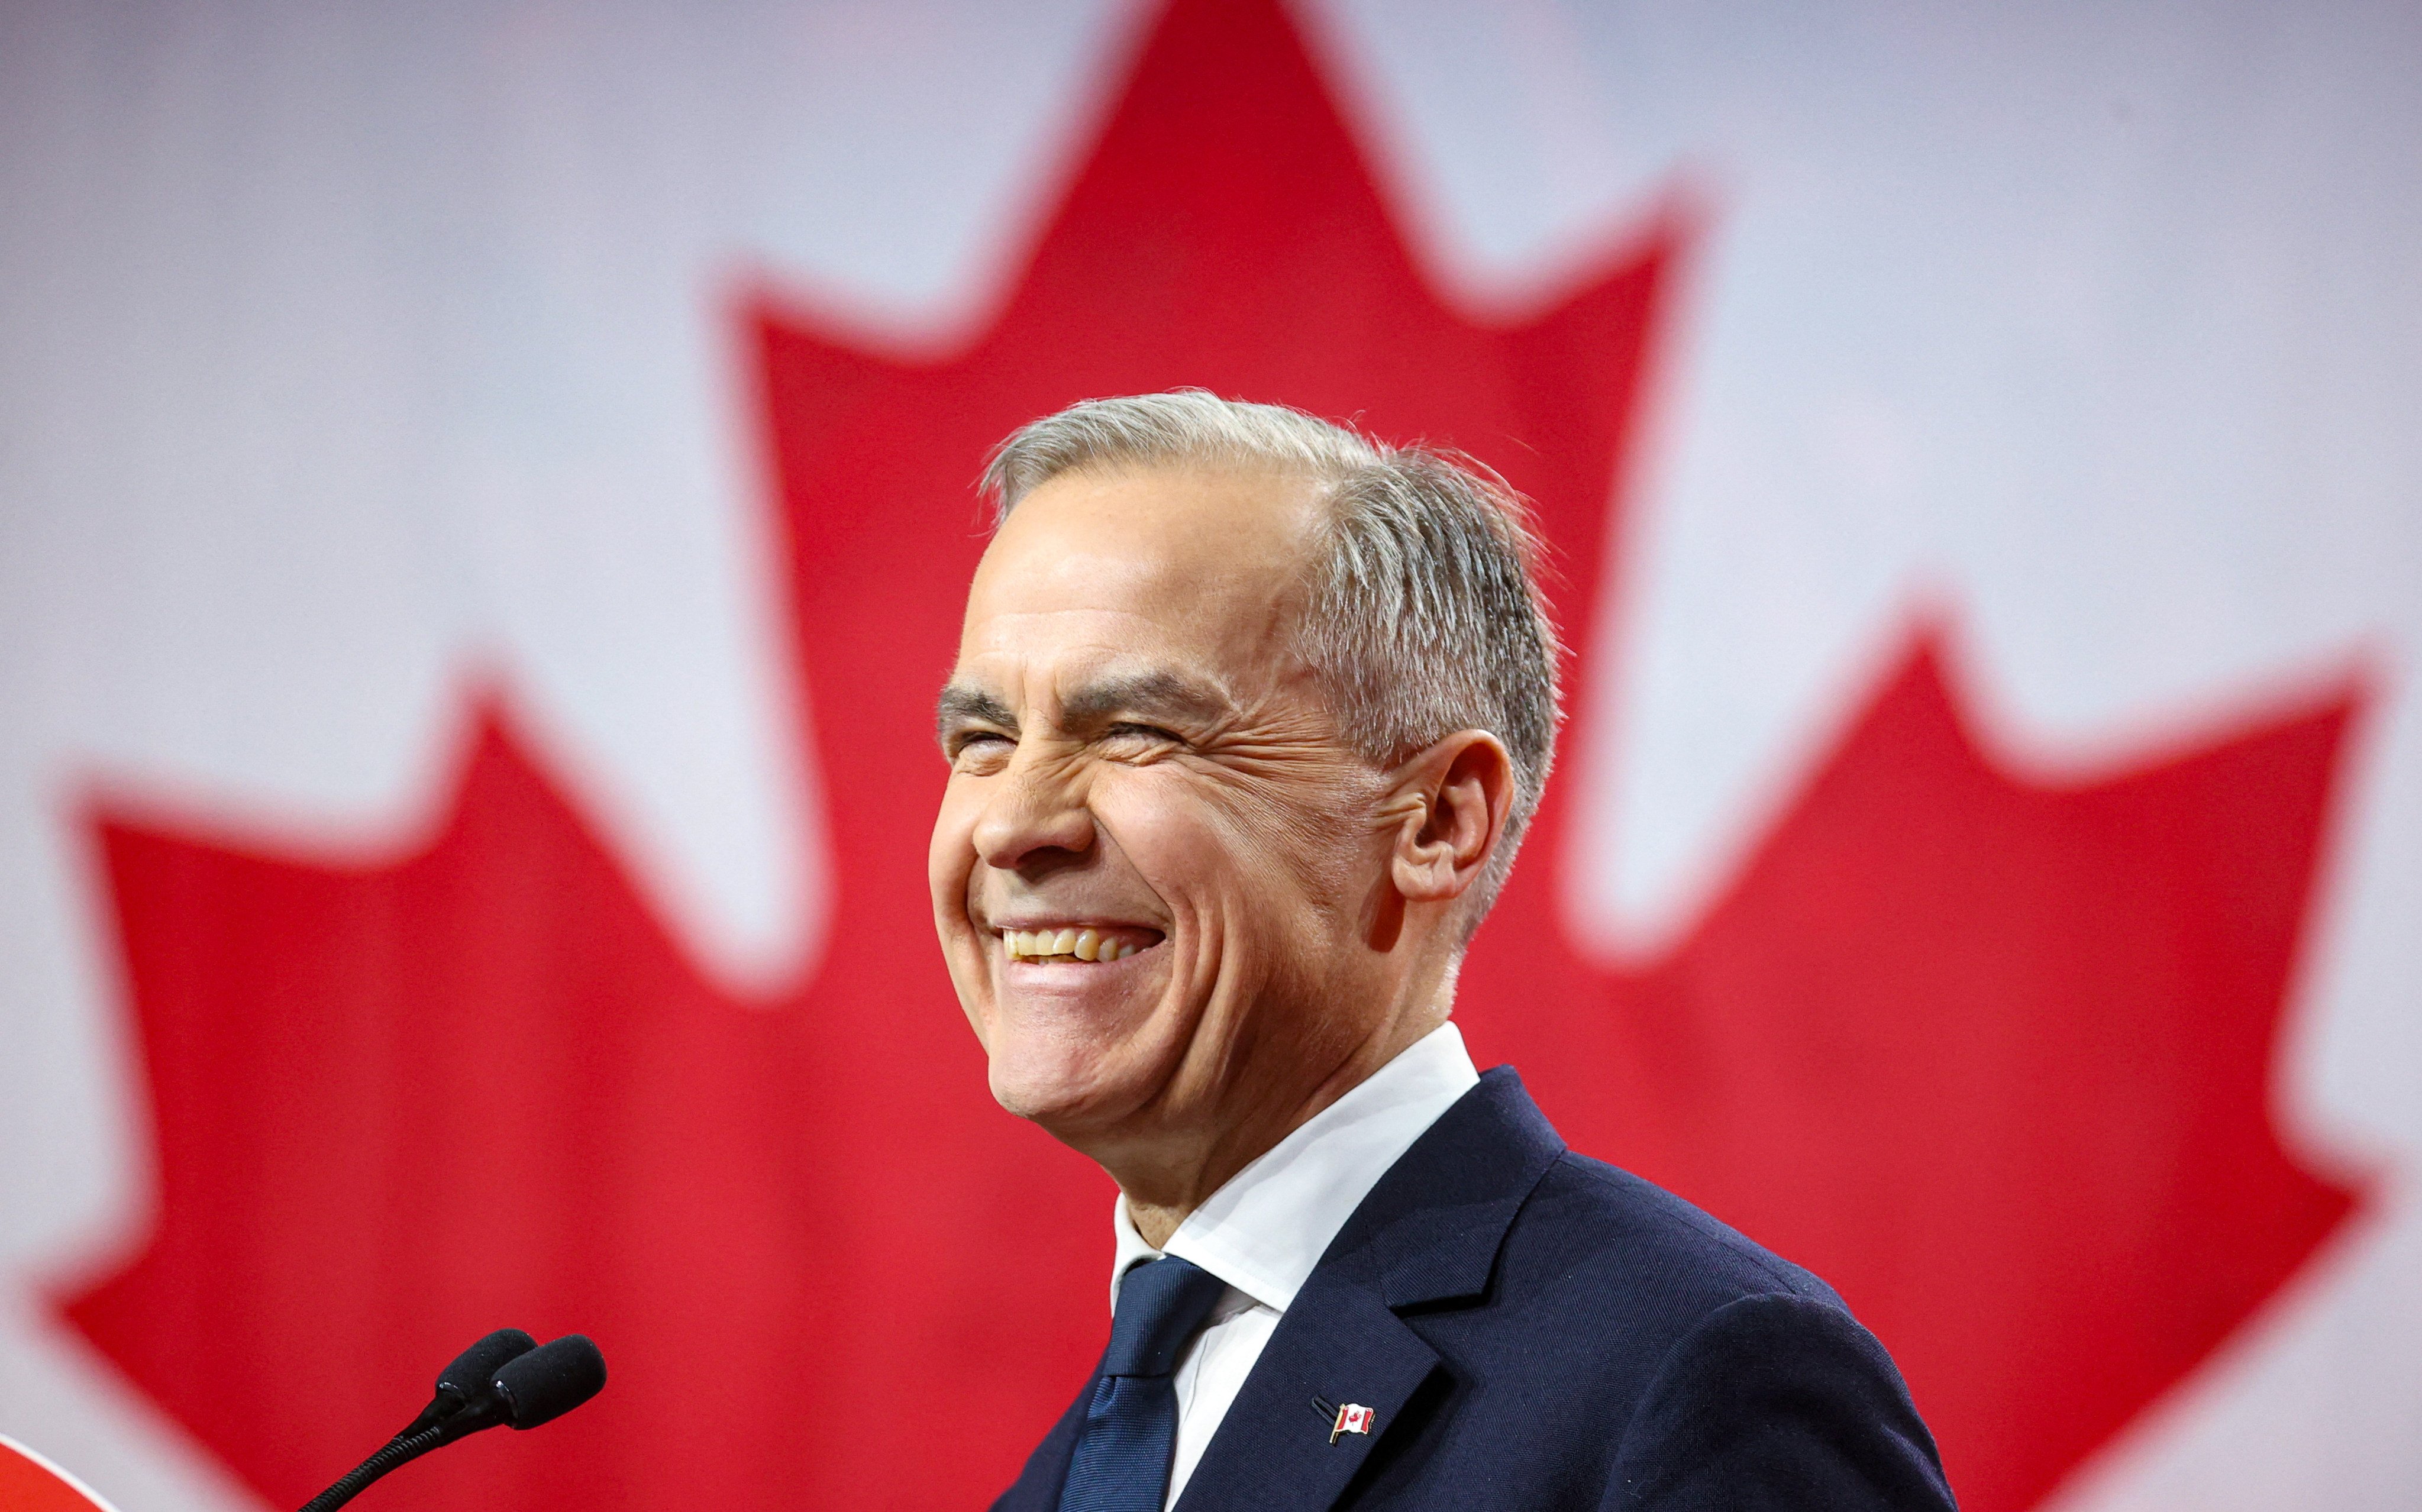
(1351,1418)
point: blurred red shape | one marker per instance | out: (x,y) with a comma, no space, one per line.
(31,1484)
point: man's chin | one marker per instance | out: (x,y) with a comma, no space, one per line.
(1066,1100)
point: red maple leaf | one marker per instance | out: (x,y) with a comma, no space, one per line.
(1991,1056)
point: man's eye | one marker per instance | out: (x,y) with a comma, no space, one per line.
(1143,732)
(981,744)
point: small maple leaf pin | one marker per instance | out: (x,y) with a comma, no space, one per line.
(1348,1417)
(1351,1418)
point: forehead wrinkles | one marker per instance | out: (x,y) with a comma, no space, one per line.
(1199,618)
(1064,610)
(1097,690)
(1087,665)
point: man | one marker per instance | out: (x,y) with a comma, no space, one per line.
(1248,716)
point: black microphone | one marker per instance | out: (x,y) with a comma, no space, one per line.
(470,1379)
(502,1379)
(549,1381)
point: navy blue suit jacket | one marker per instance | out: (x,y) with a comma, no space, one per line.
(1539,1329)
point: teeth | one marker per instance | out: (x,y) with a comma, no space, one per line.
(1082,944)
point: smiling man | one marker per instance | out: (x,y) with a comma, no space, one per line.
(1249,716)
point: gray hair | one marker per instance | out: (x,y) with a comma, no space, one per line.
(1424,616)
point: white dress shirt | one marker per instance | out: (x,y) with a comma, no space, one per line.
(1263,1231)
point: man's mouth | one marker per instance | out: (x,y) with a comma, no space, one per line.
(1075,943)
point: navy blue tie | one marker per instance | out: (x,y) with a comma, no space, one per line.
(1123,1454)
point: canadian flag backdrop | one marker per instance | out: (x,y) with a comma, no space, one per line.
(484,498)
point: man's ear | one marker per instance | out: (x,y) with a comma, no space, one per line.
(1454,797)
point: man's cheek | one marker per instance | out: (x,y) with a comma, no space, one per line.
(950,855)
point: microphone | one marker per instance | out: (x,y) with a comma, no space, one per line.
(505,1377)
(549,1381)
(470,1379)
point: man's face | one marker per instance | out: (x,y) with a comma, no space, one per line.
(1142,772)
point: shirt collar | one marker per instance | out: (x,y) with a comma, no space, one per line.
(1267,1227)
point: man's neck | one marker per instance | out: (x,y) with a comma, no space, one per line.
(1164,1182)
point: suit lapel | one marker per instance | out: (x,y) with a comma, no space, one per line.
(1427,1234)
(1339,1344)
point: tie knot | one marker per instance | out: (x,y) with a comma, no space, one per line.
(1161,1302)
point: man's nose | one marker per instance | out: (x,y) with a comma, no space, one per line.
(1036,815)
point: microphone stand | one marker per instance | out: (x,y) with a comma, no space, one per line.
(401,1449)
(404,1449)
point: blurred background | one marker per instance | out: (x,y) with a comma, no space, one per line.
(483,493)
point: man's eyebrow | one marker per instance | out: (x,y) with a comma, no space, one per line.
(961,705)
(1155,694)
